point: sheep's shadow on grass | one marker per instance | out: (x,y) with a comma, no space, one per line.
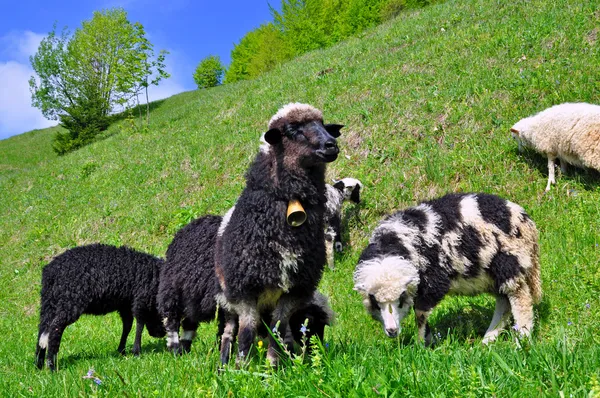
(470,322)
(92,354)
(589,178)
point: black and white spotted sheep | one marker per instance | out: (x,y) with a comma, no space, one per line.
(346,189)
(265,265)
(463,244)
(98,279)
(189,286)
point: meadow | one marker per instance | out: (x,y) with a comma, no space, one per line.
(428,100)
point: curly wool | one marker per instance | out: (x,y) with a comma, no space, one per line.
(97,279)
(294,113)
(569,132)
(188,284)
(386,278)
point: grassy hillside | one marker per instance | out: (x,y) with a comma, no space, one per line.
(428,100)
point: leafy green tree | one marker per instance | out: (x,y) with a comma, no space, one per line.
(105,64)
(209,72)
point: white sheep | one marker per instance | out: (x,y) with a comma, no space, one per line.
(569,132)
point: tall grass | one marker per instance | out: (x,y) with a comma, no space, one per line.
(428,100)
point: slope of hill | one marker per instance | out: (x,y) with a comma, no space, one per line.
(427,101)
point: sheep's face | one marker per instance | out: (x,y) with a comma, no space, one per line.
(308,143)
(155,326)
(519,133)
(350,189)
(388,287)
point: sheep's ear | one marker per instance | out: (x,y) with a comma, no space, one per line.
(339,186)
(334,129)
(360,287)
(514,130)
(355,196)
(273,136)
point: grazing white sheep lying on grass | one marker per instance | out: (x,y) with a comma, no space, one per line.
(462,244)
(569,132)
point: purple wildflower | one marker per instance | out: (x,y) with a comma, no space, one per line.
(569,323)
(97,381)
(303,329)
(587,305)
(90,372)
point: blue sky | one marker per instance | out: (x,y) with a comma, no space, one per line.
(190,30)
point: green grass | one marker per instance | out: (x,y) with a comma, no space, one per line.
(427,100)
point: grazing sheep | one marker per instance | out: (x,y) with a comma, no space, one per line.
(188,284)
(265,265)
(569,132)
(98,279)
(188,288)
(463,244)
(344,189)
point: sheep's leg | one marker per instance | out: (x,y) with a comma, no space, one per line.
(499,319)
(521,305)
(248,322)
(279,327)
(189,333)
(336,225)
(228,337)
(137,343)
(551,179)
(563,166)
(54,338)
(127,319)
(329,238)
(172,328)
(422,325)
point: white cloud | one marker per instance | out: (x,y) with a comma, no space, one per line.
(16,113)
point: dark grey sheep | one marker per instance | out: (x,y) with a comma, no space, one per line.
(98,279)
(265,265)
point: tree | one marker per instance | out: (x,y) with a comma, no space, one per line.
(209,72)
(105,64)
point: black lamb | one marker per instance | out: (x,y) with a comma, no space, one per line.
(188,288)
(98,279)
(265,265)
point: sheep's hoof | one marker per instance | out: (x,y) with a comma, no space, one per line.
(338,247)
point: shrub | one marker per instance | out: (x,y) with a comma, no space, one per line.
(82,123)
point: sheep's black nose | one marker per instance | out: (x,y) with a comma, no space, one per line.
(331,144)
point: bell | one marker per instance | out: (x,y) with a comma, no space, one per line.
(295,213)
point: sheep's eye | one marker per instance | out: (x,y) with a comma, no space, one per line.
(373,302)
(401,300)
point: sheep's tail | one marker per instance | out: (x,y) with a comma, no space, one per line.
(534,280)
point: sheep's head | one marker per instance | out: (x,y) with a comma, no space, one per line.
(388,286)
(155,326)
(298,131)
(519,132)
(350,189)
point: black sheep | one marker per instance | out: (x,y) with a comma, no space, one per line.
(188,289)
(98,279)
(265,265)
(188,284)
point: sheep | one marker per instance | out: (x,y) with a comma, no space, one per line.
(188,285)
(340,191)
(188,288)
(97,279)
(463,244)
(569,132)
(263,264)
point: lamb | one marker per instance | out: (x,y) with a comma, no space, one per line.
(188,288)
(463,244)
(263,264)
(569,132)
(342,190)
(98,279)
